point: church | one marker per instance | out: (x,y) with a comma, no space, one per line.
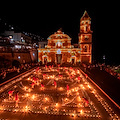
(60,51)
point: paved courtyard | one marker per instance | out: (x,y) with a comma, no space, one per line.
(49,92)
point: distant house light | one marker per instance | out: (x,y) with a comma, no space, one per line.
(28,47)
(21,38)
(33,54)
(18,46)
(18,57)
(23,41)
(12,28)
(103,57)
(10,36)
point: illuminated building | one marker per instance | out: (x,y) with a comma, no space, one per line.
(85,38)
(59,49)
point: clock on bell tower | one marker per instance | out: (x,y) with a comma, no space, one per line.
(85,39)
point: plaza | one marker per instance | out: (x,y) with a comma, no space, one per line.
(58,91)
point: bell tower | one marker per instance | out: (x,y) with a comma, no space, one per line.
(85,39)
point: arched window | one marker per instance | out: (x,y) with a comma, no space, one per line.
(85,48)
(86,38)
(58,44)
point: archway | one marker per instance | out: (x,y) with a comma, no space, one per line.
(73,60)
(45,60)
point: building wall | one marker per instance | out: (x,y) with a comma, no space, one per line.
(42,44)
(16,36)
(6,55)
(66,55)
(21,57)
(34,55)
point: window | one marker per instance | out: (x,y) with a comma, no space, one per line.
(82,22)
(10,37)
(86,38)
(21,38)
(73,53)
(58,44)
(18,46)
(85,49)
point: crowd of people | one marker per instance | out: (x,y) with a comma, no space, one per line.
(22,67)
(104,67)
(112,72)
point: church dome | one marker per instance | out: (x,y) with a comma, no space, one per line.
(59,35)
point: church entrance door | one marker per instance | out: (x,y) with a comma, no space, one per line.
(45,60)
(73,61)
(58,58)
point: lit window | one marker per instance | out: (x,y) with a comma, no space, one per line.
(17,46)
(21,38)
(85,49)
(82,22)
(86,37)
(59,44)
(10,36)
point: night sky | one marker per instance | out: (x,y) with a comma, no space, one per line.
(46,18)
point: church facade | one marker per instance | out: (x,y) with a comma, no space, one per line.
(60,51)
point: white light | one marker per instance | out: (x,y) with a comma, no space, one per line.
(58,51)
(10,37)
(17,46)
(33,54)
(18,57)
(12,28)
(58,44)
(103,57)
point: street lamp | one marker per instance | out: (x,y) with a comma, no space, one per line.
(104,58)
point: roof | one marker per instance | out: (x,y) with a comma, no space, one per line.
(59,35)
(85,16)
